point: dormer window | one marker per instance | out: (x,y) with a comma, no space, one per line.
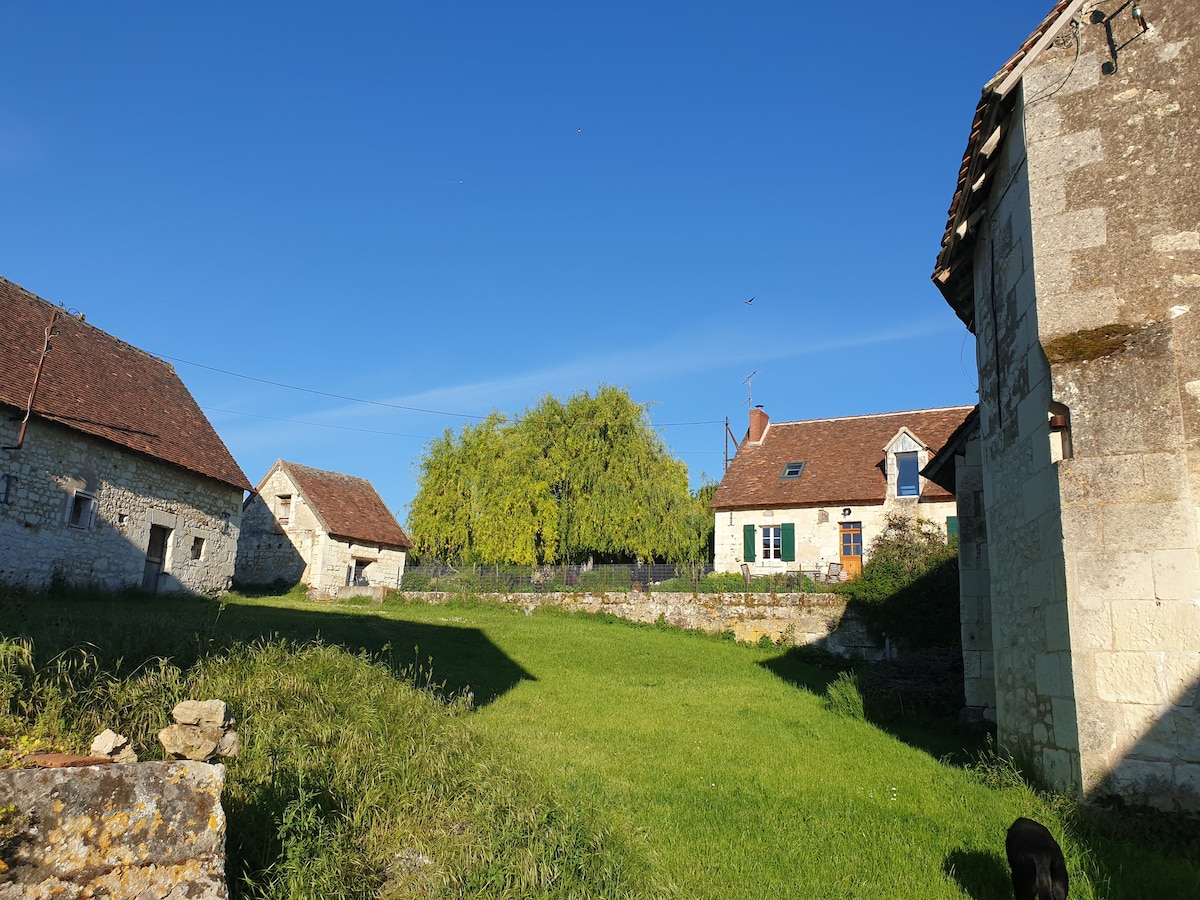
(903,457)
(908,478)
(793,470)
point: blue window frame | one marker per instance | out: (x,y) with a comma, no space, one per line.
(908,478)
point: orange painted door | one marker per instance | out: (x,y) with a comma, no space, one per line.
(852,548)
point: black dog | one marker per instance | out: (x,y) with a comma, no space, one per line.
(1039,871)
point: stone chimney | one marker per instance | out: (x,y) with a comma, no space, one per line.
(758,425)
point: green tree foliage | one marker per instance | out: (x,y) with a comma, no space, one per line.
(909,588)
(565,481)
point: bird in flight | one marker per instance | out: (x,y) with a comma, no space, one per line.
(748,302)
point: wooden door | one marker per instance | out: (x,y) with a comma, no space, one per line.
(852,548)
(156,556)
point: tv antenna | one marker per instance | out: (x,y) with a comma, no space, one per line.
(749,395)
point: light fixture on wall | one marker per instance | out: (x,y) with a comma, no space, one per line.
(1139,18)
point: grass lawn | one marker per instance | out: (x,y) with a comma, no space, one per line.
(720,762)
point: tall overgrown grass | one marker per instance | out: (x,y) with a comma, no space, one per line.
(357,778)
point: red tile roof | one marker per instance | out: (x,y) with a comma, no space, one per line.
(347,506)
(843,460)
(952,273)
(98,385)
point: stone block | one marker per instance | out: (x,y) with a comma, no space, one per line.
(1156,625)
(1126,677)
(1047,672)
(1061,769)
(1066,723)
(1187,785)
(1091,628)
(1151,783)
(1056,626)
(1176,574)
(1146,526)
(125,832)
(1099,728)
(1110,575)
(1079,229)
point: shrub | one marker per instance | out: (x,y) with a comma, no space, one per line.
(605,579)
(722,583)
(908,589)
(414,581)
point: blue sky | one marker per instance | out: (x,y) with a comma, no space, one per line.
(449,208)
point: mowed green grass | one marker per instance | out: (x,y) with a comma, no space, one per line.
(729,780)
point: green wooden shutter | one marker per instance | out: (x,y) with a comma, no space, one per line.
(748,543)
(951,526)
(789,542)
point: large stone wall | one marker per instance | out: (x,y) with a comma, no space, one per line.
(818,532)
(1087,287)
(132,492)
(803,620)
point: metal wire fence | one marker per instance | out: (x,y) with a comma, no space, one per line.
(550,579)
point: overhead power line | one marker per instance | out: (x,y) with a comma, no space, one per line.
(234,412)
(293,387)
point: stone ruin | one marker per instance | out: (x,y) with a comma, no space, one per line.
(106,825)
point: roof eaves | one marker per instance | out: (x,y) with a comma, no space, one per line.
(952,274)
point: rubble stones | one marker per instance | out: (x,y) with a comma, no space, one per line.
(112,746)
(203,730)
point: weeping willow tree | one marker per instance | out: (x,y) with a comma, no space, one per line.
(564,482)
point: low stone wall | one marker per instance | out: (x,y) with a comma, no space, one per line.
(802,620)
(126,832)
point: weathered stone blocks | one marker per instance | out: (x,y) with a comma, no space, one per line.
(122,832)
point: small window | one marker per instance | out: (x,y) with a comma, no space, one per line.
(772,542)
(83,511)
(197,548)
(793,470)
(908,479)
(285,508)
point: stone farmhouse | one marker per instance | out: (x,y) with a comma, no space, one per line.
(330,531)
(801,495)
(109,472)
(1072,252)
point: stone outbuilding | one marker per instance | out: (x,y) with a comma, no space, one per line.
(109,472)
(1072,252)
(801,495)
(330,531)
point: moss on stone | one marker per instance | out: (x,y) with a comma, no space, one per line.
(1093,343)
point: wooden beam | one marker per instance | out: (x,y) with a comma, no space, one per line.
(1014,77)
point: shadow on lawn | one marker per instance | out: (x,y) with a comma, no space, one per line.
(127,629)
(916,700)
(981,875)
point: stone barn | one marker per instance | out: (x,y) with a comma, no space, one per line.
(330,531)
(109,472)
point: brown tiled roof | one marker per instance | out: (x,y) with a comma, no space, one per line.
(843,460)
(98,385)
(952,273)
(347,506)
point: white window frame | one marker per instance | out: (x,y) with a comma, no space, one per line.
(771,542)
(81,511)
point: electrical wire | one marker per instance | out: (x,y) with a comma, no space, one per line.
(293,387)
(234,412)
